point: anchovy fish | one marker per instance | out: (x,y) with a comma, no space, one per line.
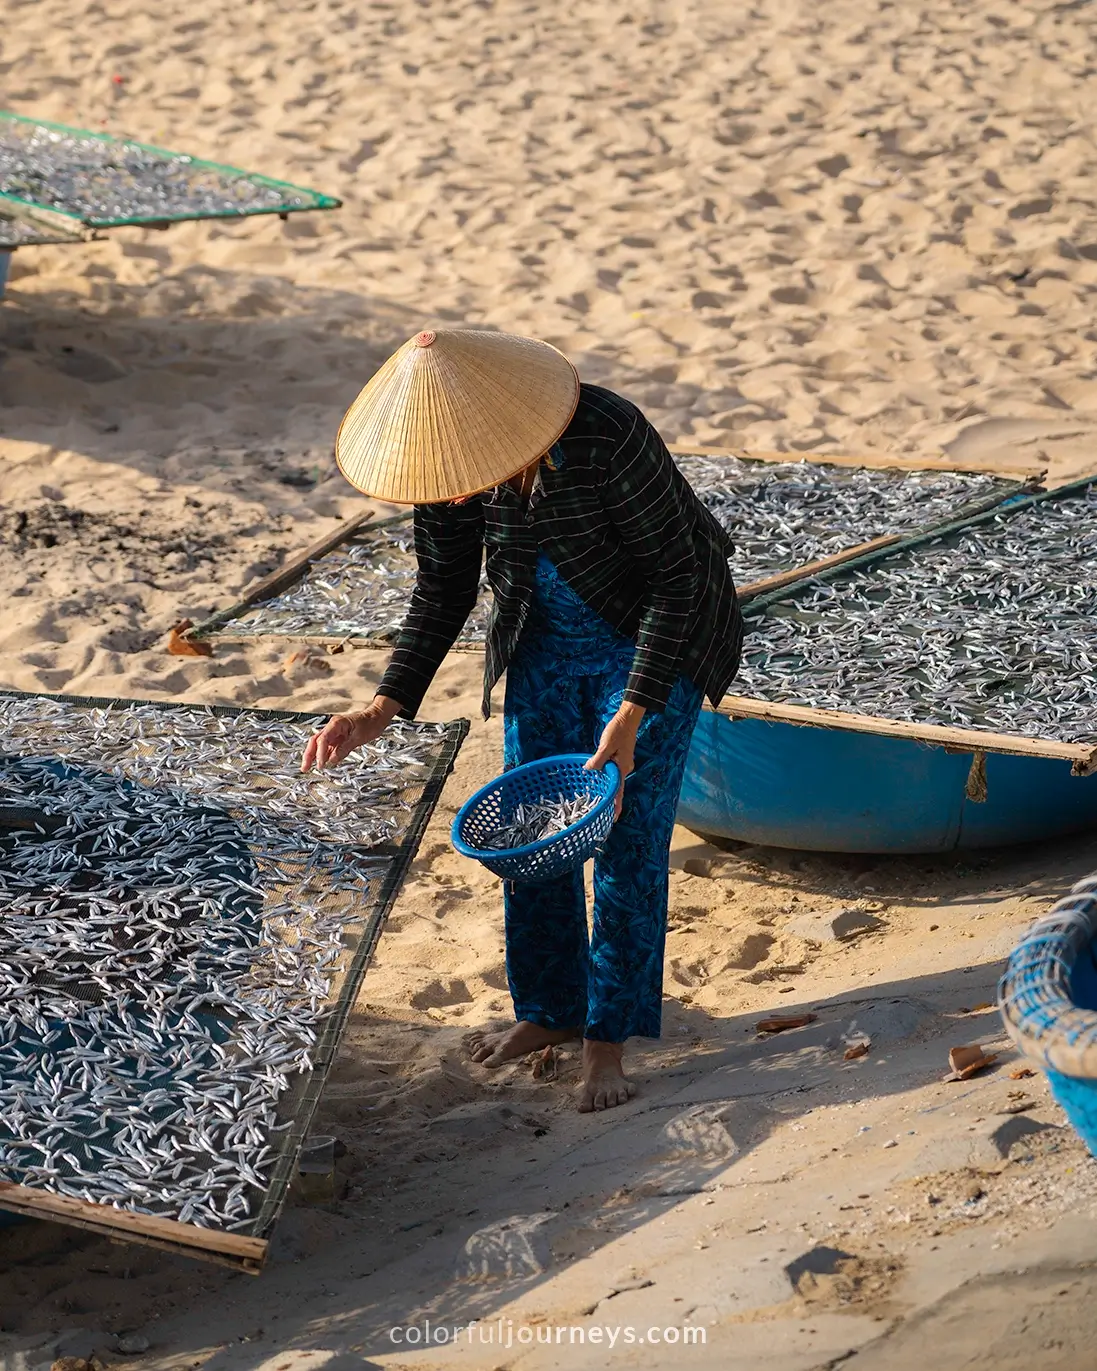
(779,515)
(360,590)
(782,515)
(175,928)
(532,822)
(99,179)
(992,627)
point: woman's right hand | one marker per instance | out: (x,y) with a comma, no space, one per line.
(344,732)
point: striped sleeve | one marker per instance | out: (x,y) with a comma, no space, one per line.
(640,496)
(449,549)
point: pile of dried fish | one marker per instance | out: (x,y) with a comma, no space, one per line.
(785,514)
(178,911)
(361,590)
(991,628)
(780,516)
(106,180)
(535,821)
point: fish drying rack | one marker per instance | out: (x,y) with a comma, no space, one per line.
(872,568)
(313,862)
(370,565)
(60,184)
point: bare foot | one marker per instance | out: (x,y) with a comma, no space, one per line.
(604,1081)
(503,1045)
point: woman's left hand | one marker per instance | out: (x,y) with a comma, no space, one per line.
(618,745)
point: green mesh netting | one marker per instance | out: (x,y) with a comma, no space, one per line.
(107,182)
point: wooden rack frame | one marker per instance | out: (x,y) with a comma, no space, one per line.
(184,1239)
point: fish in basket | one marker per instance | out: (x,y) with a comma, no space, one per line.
(539,820)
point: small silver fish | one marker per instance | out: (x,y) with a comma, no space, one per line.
(991,627)
(780,515)
(170,951)
(110,179)
(532,822)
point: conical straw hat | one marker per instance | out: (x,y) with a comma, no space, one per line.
(453,413)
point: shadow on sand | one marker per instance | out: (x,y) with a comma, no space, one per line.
(478,1223)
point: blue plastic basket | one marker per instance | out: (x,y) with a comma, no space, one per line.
(1048,999)
(565,777)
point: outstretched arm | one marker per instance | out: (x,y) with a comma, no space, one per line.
(449,545)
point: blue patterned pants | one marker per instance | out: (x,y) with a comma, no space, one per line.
(610,984)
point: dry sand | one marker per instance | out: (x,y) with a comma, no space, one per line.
(854,227)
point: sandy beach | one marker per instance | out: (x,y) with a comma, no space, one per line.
(848,229)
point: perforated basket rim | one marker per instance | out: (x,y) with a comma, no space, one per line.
(611,772)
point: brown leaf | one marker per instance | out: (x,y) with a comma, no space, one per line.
(778,1023)
(959,1058)
(968,1061)
(180,646)
(975,1067)
(305,659)
(1022,1073)
(857,1050)
(546,1064)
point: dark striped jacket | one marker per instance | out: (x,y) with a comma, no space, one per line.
(624,529)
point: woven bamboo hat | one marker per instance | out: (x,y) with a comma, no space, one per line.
(453,413)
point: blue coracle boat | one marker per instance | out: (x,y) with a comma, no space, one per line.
(786,775)
(832,790)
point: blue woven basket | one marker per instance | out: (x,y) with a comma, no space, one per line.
(1048,999)
(563,777)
